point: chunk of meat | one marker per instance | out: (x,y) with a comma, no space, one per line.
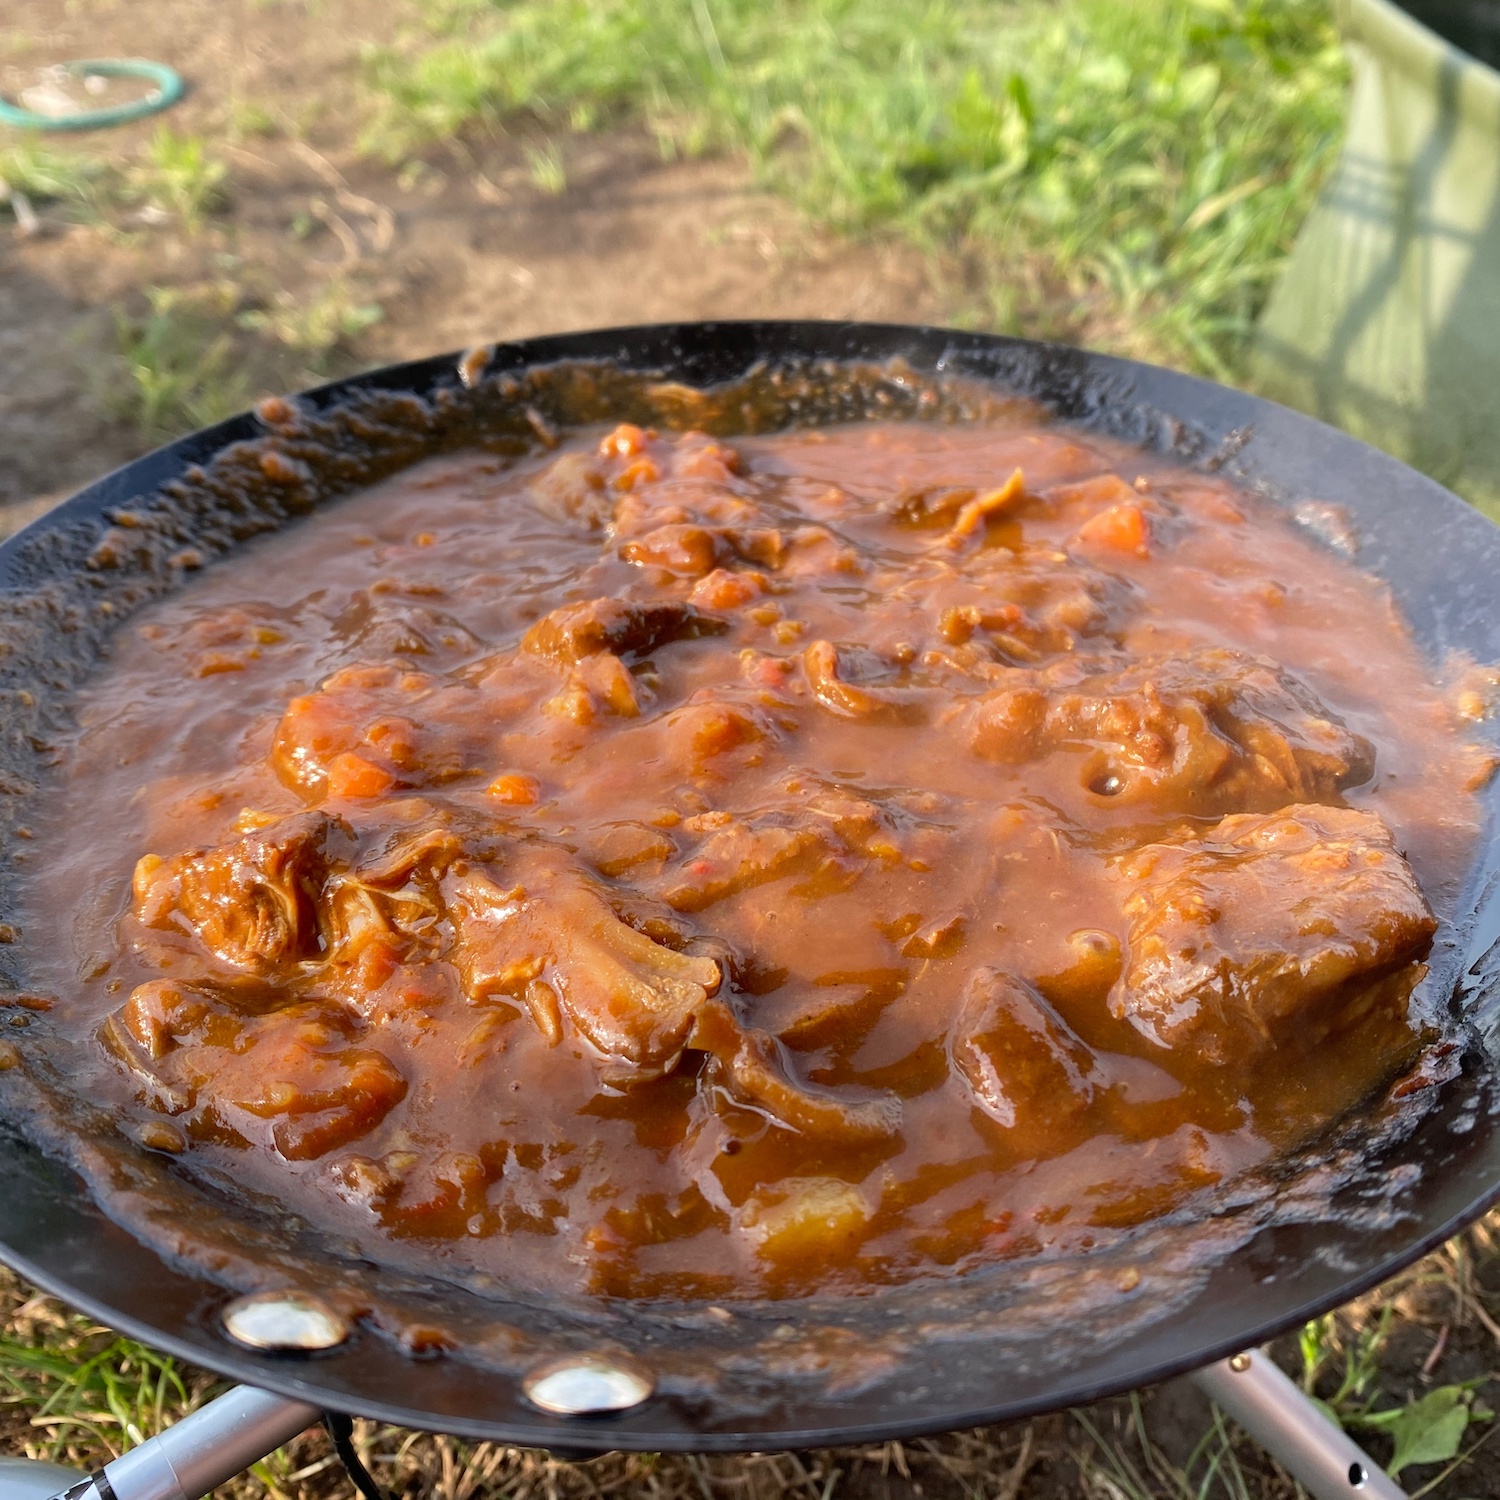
(291,1077)
(838,677)
(251,902)
(390,901)
(618,848)
(1025,1068)
(716,736)
(694,551)
(737,856)
(618,625)
(379,628)
(408,853)
(316,1091)
(1269,931)
(1209,731)
(599,685)
(159,1016)
(1026,607)
(724,589)
(549,938)
(416,728)
(574,487)
(753,1067)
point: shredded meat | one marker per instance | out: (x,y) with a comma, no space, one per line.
(253,902)
(550,939)
(378,628)
(1205,732)
(737,855)
(1269,930)
(620,626)
(755,1069)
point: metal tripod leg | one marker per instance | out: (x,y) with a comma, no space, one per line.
(1250,1389)
(201,1451)
(214,1444)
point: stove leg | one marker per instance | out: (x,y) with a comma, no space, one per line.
(201,1451)
(1250,1389)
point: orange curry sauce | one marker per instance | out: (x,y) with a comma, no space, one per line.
(663,866)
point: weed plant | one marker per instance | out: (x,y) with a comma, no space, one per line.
(179,176)
(178,363)
(46,176)
(1145,161)
(316,326)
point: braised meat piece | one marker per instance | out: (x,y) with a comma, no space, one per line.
(617,625)
(838,677)
(378,627)
(546,937)
(370,730)
(1209,731)
(233,1067)
(737,855)
(695,551)
(574,487)
(1270,930)
(753,1068)
(1027,1071)
(1014,607)
(252,902)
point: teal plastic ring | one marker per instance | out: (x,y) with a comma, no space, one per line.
(168,91)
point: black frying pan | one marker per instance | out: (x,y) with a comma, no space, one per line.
(1004,1343)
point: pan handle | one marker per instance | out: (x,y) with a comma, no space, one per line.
(1254,1392)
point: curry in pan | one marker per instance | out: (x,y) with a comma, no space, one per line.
(669,865)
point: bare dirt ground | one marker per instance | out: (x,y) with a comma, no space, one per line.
(466,244)
(459,247)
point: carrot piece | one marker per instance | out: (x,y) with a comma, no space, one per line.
(1124,528)
(515,787)
(641,471)
(626,441)
(351,775)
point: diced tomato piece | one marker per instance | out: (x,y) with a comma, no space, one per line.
(351,775)
(516,788)
(1122,528)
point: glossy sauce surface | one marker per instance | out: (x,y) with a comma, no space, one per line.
(667,866)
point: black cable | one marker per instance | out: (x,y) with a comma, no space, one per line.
(341,1430)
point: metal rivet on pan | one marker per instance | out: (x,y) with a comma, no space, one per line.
(1239,1363)
(284,1320)
(579,1385)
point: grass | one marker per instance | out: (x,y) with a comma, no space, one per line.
(1146,161)
(314,327)
(178,176)
(173,177)
(192,355)
(81,1391)
(73,179)
(178,368)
